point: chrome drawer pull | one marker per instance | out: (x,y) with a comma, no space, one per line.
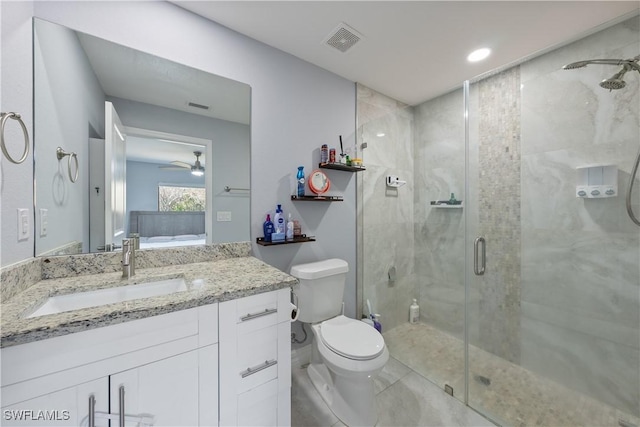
(92,411)
(266,312)
(265,365)
(121,418)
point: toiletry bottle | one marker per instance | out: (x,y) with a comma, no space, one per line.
(300,179)
(452,200)
(278,220)
(290,228)
(376,322)
(324,153)
(268,229)
(297,230)
(414,312)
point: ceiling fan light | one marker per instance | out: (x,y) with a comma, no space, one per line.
(197,172)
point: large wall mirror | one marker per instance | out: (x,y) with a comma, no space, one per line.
(126,142)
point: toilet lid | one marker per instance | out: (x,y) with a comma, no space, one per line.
(351,338)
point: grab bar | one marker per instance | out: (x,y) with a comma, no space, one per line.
(60,154)
(3,120)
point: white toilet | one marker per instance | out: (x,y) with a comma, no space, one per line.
(347,354)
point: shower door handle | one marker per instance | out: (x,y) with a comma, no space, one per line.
(479,267)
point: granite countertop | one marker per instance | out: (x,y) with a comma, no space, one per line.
(218,281)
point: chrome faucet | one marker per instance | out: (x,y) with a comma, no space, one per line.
(129,247)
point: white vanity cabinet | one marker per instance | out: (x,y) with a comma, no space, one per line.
(167,366)
(255,360)
(168,370)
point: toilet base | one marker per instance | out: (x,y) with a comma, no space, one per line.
(353,402)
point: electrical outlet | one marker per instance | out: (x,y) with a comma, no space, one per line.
(23,224)
(44,222)
(223,216)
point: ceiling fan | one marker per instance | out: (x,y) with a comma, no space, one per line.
(196,169)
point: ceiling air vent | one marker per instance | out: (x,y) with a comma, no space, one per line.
(343,38)
(194,105)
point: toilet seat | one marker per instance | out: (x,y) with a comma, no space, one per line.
(351,338)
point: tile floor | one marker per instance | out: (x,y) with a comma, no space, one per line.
(511,394)
(404,398)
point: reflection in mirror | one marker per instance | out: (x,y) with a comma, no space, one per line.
(157,143)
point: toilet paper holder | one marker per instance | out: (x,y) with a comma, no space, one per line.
(295,312)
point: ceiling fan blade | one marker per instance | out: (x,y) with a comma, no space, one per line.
(174,168)
(181,164)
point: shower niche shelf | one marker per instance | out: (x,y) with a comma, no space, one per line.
(437,205)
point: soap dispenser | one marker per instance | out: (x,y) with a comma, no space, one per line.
(414,312)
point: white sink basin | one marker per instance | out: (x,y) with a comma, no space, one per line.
(62,303)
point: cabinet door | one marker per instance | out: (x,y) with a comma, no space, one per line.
(166,391)
(67,407)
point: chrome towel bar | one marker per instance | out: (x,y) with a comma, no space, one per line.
(3,120)
(60,154)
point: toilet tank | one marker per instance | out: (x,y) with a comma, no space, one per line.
(321,289)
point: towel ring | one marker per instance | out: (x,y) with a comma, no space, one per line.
(60,153)
(14,116)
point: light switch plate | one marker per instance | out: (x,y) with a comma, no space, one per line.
(23,224)
(44,222)
(223,216)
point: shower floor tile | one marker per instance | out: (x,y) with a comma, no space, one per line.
(507,392)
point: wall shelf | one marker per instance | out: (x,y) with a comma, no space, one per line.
(317,198)
(301,239)
(341,167)
(445,206)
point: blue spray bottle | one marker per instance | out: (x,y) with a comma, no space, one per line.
(300,180)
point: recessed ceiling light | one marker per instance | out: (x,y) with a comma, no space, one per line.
(479,54)
(380,134)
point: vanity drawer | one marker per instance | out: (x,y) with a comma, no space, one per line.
(257,357)
(256,312)
(259,407)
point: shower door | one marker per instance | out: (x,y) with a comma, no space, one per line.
(552,280)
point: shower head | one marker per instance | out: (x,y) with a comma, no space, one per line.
(632,63)
(574,65)
(615,82)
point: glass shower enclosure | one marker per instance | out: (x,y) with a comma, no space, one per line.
(529,290)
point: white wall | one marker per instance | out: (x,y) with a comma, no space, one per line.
(296,107)
(16,181)
(63,118)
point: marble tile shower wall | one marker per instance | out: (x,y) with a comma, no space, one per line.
(439,233)
(580,257)
(386,215)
